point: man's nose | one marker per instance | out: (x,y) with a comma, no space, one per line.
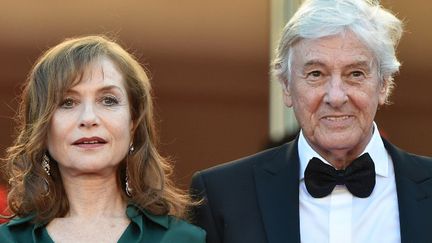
(336,94)
(89,117)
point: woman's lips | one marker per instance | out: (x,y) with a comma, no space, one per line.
(89,142)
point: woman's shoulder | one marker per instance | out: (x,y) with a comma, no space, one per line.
(167,228)
(179,226)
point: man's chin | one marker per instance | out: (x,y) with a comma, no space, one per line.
(337,145)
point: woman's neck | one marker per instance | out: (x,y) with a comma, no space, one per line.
(93,196)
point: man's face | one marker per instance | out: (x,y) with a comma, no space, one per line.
(335,91)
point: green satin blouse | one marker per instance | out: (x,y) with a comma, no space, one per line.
(144,227)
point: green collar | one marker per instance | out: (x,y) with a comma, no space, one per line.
(132,211)
(18,221)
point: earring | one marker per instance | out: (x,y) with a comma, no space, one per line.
(128,189)
(131,149)
(45,164)
(46,187)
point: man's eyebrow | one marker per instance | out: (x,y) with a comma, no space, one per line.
(363,64)
(313,63)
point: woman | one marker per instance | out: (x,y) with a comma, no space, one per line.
(84,166)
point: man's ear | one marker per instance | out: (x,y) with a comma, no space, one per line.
(383,91)
(286,93)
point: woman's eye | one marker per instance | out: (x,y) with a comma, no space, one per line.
(67,103)
(109,100)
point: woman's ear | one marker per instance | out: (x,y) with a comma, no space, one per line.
(132,130)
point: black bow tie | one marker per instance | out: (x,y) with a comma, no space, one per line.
(358,177)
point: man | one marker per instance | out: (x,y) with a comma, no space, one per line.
(338,181)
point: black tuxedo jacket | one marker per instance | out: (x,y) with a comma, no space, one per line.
(256,199)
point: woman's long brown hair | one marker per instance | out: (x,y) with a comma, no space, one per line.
(32,191)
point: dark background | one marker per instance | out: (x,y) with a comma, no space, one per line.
(209,62)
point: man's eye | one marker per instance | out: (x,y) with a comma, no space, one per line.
(314,74)
(357,74)
(109,100)
(67,103)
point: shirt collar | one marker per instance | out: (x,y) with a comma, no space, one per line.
(135,213)
(24,220)
(375,148)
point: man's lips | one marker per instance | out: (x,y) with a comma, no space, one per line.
(89,141)
(337,118)
(337,121)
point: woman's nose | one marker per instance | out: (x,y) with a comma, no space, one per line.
(88,118)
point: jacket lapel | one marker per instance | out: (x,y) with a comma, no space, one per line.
(414,189)
(277,185)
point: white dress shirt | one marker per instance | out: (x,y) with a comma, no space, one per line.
(343,218)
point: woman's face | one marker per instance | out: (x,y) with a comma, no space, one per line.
(90,131)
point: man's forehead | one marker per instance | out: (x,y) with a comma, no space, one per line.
(344,49)
(360,62)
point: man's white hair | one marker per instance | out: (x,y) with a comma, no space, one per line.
(376,27)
